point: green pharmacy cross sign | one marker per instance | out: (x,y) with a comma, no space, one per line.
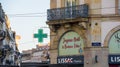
(40,35)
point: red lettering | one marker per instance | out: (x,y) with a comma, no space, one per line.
(76,46)
(69,46)
(66,46)
(76,39)
(66,43)
(67,40)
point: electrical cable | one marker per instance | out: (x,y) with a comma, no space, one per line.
(30,16)
(27,42)
(28,13)
(40,14)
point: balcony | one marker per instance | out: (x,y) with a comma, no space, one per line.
(68,12)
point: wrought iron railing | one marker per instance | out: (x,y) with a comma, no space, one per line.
(67,12)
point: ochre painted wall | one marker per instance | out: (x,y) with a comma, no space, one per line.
(53,4)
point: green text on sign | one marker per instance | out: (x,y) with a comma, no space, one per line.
(40,35)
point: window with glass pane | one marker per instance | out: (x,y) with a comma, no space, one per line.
(74,2)
(69,3)
(70,10)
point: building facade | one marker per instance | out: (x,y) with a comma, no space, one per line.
(9,53)
(40,54)
(84,33)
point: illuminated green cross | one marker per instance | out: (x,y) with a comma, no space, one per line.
(40,35)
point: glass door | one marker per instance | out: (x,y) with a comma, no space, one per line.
(70,9)
(69,3)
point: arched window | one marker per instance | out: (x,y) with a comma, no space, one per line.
(114,43)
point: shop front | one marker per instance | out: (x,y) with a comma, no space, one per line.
(114,60)
(114,48)
(70,50)
(71,61)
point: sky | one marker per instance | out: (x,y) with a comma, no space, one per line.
(26,17)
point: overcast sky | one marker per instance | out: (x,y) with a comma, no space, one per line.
(26,17)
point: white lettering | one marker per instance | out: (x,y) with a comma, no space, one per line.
(115,59)
(112,59)
(58,60)
(62,60)
(118,59)
(65,60)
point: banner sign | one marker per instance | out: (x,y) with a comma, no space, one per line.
(71,43)
(114,59)
(70,59)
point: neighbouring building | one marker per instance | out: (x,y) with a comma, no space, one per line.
(84,33)
(9,53)
(40,54)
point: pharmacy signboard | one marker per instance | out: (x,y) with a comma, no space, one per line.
(71,43)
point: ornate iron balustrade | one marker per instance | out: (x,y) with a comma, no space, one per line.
(67,12)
